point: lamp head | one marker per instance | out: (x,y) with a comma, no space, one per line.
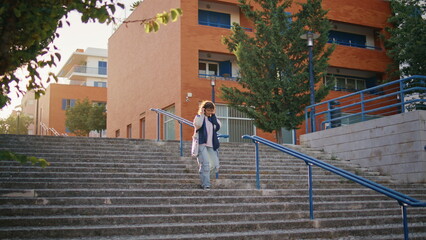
(310,36)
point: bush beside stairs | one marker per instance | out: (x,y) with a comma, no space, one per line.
(142,189)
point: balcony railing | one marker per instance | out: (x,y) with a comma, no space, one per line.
(352,44)
(220,25)
(88,70)
(223,77)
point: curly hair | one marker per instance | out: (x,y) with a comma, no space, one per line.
(205,104)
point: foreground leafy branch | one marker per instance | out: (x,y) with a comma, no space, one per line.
(27,32)
(153,24)
(8,155)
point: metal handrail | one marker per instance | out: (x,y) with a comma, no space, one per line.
(403,200)
(362,99)
(54,131)
(180,121)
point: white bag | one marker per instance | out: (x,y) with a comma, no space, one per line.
(195,145)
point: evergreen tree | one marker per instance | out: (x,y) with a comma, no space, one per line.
(274,63)
(407,42)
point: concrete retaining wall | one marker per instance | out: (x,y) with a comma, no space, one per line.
(394,145)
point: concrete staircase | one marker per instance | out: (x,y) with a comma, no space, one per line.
(135,189)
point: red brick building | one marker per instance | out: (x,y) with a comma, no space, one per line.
(172,69)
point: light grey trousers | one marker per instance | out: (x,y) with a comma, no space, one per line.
(208,163)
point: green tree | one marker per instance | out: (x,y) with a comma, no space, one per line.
(77,118)
(97,118)
(28,30)
(16,123)
(85,117)
(406,44)
(273,62)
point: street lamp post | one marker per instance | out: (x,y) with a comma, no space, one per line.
(310,36)
(213,83)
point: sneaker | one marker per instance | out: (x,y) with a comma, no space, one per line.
(206,188)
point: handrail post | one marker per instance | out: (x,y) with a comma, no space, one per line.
(329,114)
(311,200)
(401,95)
(306,121)
(257,165)
(404,220)
(362,107)
(158,127)
(181,139)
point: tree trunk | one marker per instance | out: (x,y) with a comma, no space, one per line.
(279,136)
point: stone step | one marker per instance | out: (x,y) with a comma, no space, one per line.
(88,200)
(373,226)
(189,183)
(272,234)
(136,192)
(47,210)
(120,177)
(58,220)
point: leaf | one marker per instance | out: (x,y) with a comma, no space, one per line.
(147,27)
(102,18)
(84,18)
(58,56)
(174,14)
(155,26)
(17,12)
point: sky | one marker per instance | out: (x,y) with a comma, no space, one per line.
(76,36)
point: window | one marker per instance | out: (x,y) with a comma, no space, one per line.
(101,84)
(346,83)
(67,103)
(208,68)
(289,136)
(142,128)
(234,123)
(99,103)
(169,125)
(214,19)
(117,133)
(129,131)
(102,68)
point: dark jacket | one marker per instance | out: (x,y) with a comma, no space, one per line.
(202,132)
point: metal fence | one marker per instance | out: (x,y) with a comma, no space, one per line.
(407,94)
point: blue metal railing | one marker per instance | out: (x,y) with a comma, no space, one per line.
(353,44)
(402,199)
(221,25)
(383,100)
(209,76)
(180,121)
